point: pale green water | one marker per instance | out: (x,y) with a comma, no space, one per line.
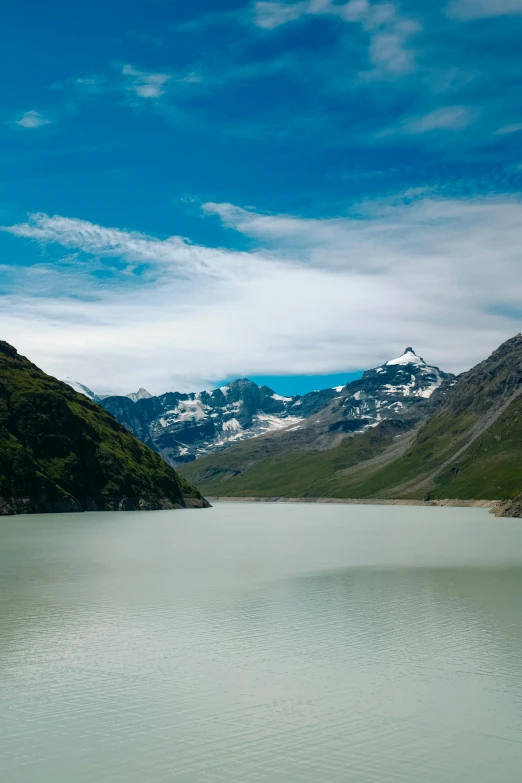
(261,643)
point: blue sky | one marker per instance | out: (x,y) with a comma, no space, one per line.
(195,192)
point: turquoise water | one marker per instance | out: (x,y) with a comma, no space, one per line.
(267,643)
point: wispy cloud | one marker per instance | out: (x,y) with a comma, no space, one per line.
(482,9)
(177,253)
(447,118)
(388,32)
(33,119)
(91,84)
(314,295)
(507,130)
(145,84)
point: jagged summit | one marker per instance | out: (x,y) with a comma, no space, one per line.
(184,426)
(141,394)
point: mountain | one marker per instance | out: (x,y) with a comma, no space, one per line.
(141,394)
(183,427)
(59,451)
(186,427)
(400,390)
(467,445)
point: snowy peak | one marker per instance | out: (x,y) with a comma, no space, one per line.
(397,389)
(408,357)
(141,394)
(80,388)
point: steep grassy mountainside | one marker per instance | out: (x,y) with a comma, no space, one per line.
(61,452)
(257,469)
(469,448)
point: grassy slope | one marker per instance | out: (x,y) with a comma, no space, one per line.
(60,451)
(302,474)
(490,468)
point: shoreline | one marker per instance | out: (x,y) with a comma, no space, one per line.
(361,501)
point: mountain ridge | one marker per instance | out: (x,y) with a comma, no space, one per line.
(183,427)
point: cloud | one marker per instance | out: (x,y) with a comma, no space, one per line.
(388,31)
(145,84)
(447,118)
(506,130)
(92,84)
(313,295)
(481,9)
(33,119)
(176,253)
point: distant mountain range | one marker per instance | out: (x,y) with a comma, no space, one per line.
(59,451)
(185,427)
(461,439)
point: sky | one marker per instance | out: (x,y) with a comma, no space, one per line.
(290,191)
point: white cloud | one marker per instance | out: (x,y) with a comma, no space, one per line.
(477,9)
(388,32)
(145,84)
(317,295)
(508,129)
(451,118)
(33,119)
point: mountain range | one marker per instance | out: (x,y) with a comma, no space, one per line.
(60,451)
(404,430)
(186,427)
(463,441)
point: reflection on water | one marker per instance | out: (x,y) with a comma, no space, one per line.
(262,643)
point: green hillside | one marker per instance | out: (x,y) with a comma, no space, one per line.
(61,452)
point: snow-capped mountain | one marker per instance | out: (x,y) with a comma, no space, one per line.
(392,390)
(183,427)
(400,389)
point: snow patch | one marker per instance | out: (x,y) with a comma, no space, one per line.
(80,388)
(408,357)
(232,425)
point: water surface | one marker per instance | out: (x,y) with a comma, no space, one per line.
(261,643)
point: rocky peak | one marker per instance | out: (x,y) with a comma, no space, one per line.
(141,394)
(397,389)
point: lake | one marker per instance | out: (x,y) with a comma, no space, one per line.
(260,643)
